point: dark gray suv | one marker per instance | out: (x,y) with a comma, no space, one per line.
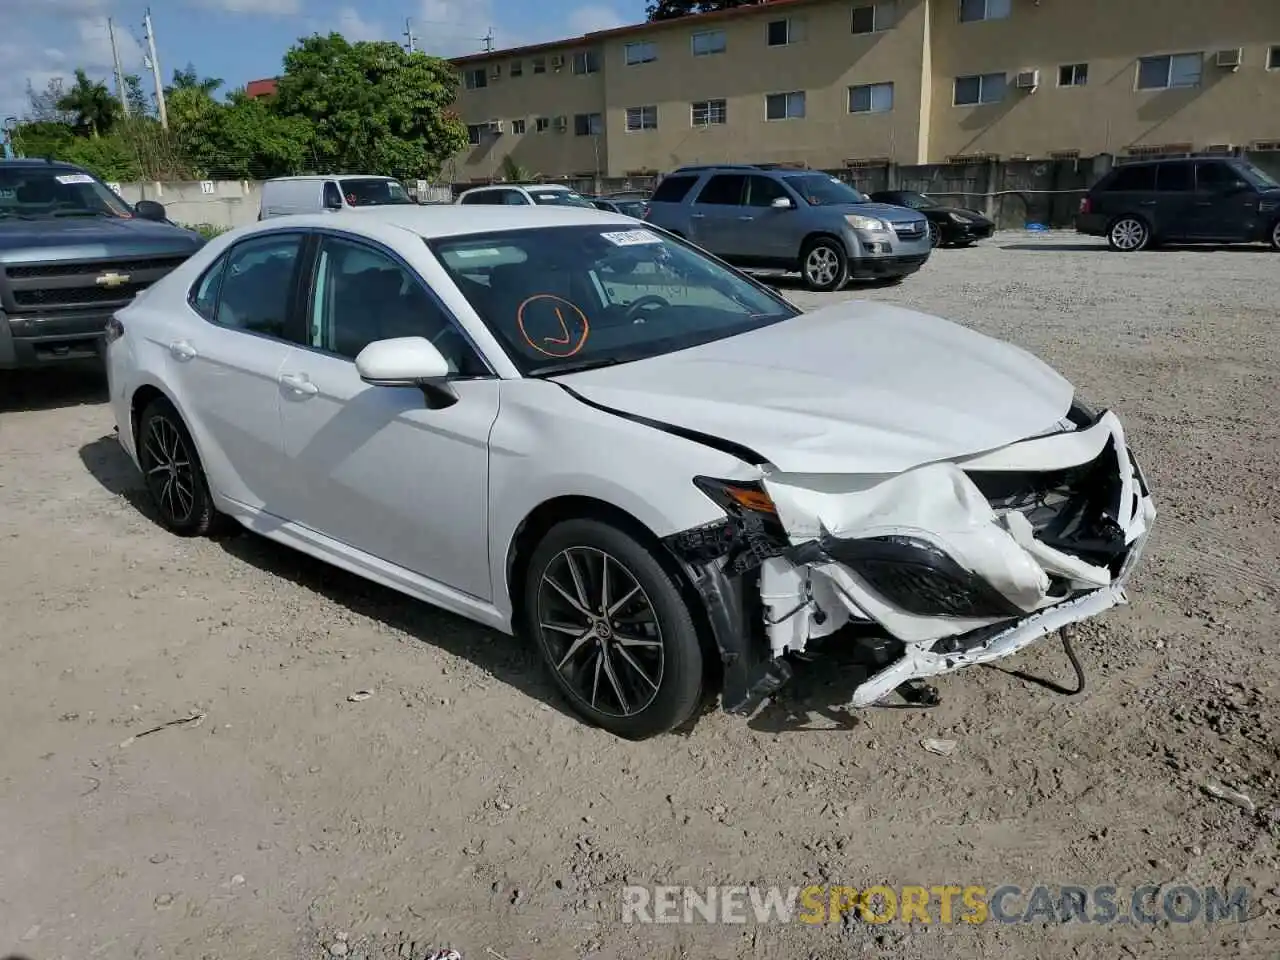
(789,219)
(1188,200)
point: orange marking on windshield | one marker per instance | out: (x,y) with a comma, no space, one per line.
(569,342)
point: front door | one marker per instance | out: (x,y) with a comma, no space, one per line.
(226,370)
(384,469)
(716,219)
(768,231)
(1224,206)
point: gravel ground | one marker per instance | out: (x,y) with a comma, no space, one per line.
(460,805)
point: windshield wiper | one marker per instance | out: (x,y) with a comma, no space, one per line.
(79,213)
(577,366)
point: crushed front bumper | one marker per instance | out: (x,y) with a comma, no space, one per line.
(951,564)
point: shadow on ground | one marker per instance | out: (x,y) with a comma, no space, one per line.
(1162,248)
(51,388)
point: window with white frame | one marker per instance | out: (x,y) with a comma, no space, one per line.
(708,42)
(1073,75)
(541,124)
(980,88)
(871,98)
(973,10)
(1170,71)
(517,126)
(641,51)
(784,106)
(874,17)
(642,118)
(475,131)
(475,79)
(1273,58)
(586,61)
(781,33)
(707,113)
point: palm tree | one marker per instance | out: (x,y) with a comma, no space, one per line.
(92,104)
(188,79)
(515,172)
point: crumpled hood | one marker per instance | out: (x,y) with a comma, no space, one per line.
(858,387)
(92,238)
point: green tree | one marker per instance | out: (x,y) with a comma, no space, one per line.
(141,104)
(515,172)
(42,138)
(672,9)
(94,107)
(375,107)
(188,79)
(240,139)
(42,105)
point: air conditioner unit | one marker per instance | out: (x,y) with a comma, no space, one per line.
(495,126)
(557,61)
(1027,80)
(1228,59)
(561,124)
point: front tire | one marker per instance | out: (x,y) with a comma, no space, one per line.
(1129,234)
(173,473)
(935,235)
(1275,236)
(824,265)
(613,629)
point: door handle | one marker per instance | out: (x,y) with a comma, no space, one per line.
(697,216)
(1147,203)
(746,218)
(181,350)
(299,384)
(1204,203)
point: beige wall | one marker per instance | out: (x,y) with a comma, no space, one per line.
(922,55)
(1107,114)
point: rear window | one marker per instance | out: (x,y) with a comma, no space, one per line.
(1133,178)
(1175,178)
(559,198)
(673,189)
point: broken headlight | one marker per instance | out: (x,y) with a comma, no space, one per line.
(749,534)
(922,580)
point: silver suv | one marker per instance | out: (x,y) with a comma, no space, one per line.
(788,219)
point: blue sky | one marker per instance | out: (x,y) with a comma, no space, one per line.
(241,40)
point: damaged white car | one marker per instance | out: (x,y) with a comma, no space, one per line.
(589,433)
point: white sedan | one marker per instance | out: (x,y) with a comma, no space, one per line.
(576,428)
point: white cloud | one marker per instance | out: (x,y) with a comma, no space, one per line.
(593,17)
(355,28)
(450,28)
(270,8)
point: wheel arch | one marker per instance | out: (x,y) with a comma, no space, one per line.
(143,396)
(815,235)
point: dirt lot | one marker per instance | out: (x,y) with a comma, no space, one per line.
(460,805)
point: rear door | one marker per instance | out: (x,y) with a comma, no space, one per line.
(1175,201)
(1131,191)
(719,215)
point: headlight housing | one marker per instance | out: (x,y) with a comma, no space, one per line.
(860,222)
(958,218)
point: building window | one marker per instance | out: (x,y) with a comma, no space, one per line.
(1165,72)
(706,113)
(517,126)
(539,64)
(474,132)
(871,98)
(642,51)
(874,17)
(642,118)
(586,61)
(1073,75)
(708,42)
(588,124)
(780,33)
(1273,58)
(971,10)
(475,79)
(987,88)
(784,106)
(517,68)
(541,124)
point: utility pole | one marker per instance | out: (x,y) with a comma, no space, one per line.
(408,32)
(488,41)
(115,56)
(155,70)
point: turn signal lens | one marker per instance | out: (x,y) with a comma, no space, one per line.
(114,331)
(737,495)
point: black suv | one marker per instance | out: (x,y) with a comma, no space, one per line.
(71,254)
(1189,200)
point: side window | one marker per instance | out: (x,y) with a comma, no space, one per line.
(762,191)
(514,198)
(724,189)
(258,282)
(1137,177)
(1214,176)
(332,195)
(361,295)
(204,295)
(1174,178)
(673,189)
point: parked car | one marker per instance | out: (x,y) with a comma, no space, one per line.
(524,194)
(291,196)
(564,424)
(1187,200)
(627,206)
(795,220)
(71,253)
(948,226)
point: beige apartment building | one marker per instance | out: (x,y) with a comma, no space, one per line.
(834,82)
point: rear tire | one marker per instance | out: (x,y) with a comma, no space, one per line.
(1128,234)
(1275,236)
(614,630)
(824,265)
(173,473)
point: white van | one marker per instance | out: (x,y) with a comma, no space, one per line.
(285,196)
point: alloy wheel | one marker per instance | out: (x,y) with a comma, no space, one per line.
(170,475)
(822,266)
(1129,234)
(1275,235)
(935,235)
(600,631)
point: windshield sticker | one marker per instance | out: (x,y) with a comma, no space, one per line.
(478,252)
(631,238)
(551,329)
(75,178)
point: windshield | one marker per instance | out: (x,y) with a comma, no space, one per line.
(37,193)
(820,190)
(374,192)
(916,201)
(560,198)
(1256,175)
(570,298)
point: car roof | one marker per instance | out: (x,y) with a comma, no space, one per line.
(313,177)
(448,220)
(27,162)
(519,186)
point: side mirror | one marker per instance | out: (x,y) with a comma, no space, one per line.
(150,210)
(783,203)
(401,362)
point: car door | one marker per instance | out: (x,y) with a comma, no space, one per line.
(1130,192)
(391,471)
(1175,201)
(716,217)
(226,369)
(766,231)
(1224,206)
